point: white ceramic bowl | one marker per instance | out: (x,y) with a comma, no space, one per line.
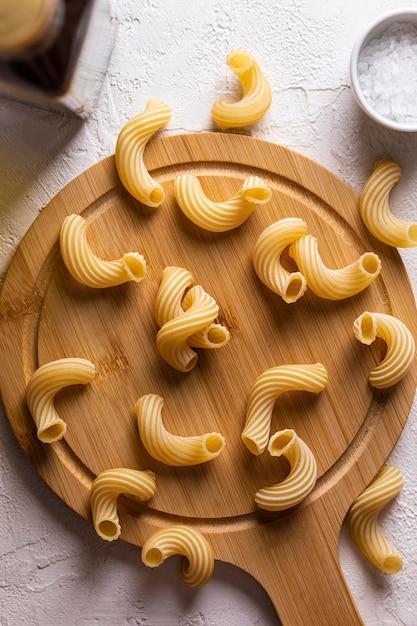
(374,31)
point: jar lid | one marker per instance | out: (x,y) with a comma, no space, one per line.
(25,24)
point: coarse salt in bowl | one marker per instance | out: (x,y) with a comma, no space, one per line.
(383,70)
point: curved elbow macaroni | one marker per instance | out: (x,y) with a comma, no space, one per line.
(219,216)
(198,565)
(168,448)
(87,268)
(168,303)
(265,391)
(363,522)
(400,346)
(301,478)
(333,284)
(130,148)
(42,387)
(375,210)
(256,98)
(269,247)
(105,490)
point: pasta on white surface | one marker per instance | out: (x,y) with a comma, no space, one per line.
(130,149)
(400,346)
(302,476)
(219,216)
(363,520)
(267,252)
(169,448)
(105,490)
(256,93)
(333,284)
(198,565)
(267,388)
(375,210)
(87,268)
(42,388)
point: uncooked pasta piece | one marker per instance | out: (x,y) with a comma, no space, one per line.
(87,268)
(42,388)
(267,388)
(269,247)
(105,491)
(130,148)
(167,447)
(363,520)
(375,210)
(333,284)
(256,97)
(301,478)
(219,216)
(168,303)
(400,346)
(198,565)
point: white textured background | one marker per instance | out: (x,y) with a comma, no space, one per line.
(54,570)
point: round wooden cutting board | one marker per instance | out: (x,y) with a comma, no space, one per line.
(351,428)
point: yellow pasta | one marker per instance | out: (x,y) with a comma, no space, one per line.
(89,269)
(400,346)
(198,565)
(269,247)
(375,210)
(256,97)
(265,391)
(106,489)
(333,284)
(167,447)
(219,216)
(363,520)
(42,388)
(301,478)
(130,148)
(168,303)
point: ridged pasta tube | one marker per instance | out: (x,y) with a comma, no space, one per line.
(105,490)
(42,388)
(363,520)
(301,478)
(87,268)
(130,148)
(219,216)
(169,448)
(375,210)
(267,252)
(174,283)
(400,343)
(267,388)
(256,97)
(198,565)
(333,284)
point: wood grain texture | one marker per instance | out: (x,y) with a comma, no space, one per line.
(350,427)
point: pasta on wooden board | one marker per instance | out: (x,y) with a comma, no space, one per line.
(86,267)
(42,388)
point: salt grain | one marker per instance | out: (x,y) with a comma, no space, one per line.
(387,73)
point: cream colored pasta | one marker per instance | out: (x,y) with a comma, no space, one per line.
(400,346)
(267,388)
(333,284)
(198,565)
(269,247)
(89,269)
(167,447)
(42,388)
(375,210)
(256,97)
(301,478)
(219,216)
(105,491)
(130,148)
(168,303)
(363,520)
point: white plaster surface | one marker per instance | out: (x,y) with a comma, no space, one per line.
(54,570)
